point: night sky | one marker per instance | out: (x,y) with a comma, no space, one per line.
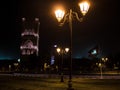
(100,26)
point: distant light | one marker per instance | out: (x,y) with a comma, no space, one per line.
(19,60)
(94,52)
(100,64)
(36,19)
(104,59)
(55,45)
(52,60)
(58,50)
(23,19)
(66,49)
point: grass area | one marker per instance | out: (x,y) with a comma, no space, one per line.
(35,83)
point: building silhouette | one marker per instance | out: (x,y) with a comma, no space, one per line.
(29,44)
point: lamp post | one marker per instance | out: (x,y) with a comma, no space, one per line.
(101,64)
(103,60)
(62,51)
(101,73)
(84,6)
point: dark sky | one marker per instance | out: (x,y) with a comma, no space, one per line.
(100,26)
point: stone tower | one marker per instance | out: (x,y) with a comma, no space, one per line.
(29,42)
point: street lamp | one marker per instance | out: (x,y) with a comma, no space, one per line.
(101,64)
(101,73)
(104,59)
(84,6)
(62,51)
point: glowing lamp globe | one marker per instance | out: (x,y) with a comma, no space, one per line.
(59,14)
(84,7)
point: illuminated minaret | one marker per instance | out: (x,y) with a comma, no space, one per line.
(30,37)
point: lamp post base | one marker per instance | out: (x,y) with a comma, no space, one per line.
(62,78)
(70,88)
(70,85)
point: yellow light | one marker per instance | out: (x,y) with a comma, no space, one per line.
(102,59)
(58,50)
(59,14)
(84,7)
(67,49)
(106,59)
(100,64)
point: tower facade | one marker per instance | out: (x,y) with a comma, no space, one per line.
(29,42)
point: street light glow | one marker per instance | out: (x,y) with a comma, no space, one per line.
(84,7)
(59,14)
(104,59)
(66,49)
(62,51)
(58,50)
